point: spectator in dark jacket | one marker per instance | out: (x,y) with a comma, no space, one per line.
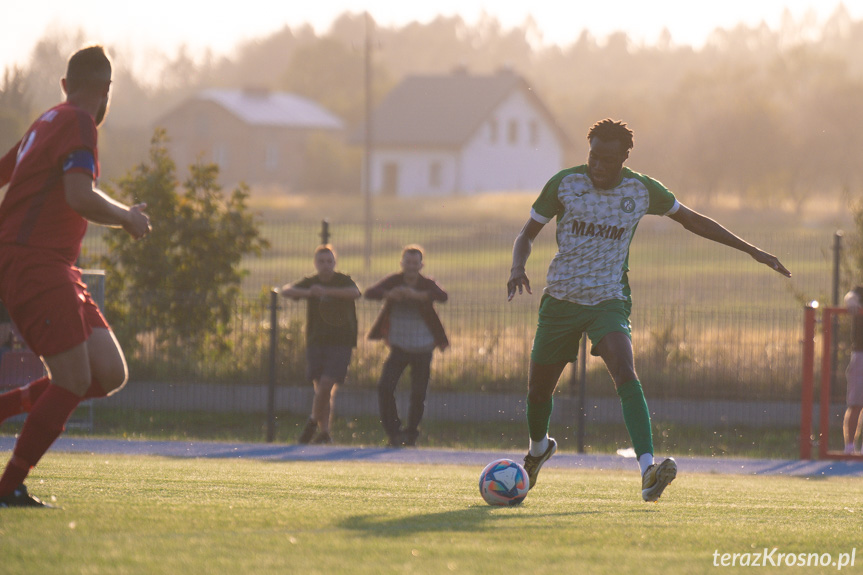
(410,326)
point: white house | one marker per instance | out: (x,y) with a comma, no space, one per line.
(463,134)
(254,135)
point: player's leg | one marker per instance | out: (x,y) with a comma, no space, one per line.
(542,379)
(393,368)
(22,399)
(615,349)
(541,383)
(107,364)
(420,374)
(554,345)
(70,379)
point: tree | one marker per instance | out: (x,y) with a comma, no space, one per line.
(181,284)
(14,108)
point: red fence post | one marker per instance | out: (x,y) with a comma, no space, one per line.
(826,368)
(807,385)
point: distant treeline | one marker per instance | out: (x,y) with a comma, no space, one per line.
(769,115)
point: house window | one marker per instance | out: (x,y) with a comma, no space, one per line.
(492,131)
(435,174)
(512,132)
(271,157)
(534,132)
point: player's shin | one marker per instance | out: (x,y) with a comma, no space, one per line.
(538,418)
(636,416)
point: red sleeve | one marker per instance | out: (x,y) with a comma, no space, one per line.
(77,131)
(7,164)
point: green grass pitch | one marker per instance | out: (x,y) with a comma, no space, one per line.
(124,514)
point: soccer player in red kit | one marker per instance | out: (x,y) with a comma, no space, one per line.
(52,195)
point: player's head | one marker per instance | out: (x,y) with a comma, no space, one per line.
(412,259)
(325,260)
(88,75)
(610,143)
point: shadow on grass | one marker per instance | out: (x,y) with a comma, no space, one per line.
(468,520)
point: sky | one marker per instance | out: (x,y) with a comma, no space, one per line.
(162,26)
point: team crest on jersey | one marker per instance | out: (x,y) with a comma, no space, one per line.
(627,204)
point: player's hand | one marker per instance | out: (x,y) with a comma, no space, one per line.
(518,280)
(771,261)
(138,224)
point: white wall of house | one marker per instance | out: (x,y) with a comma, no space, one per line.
(417,172)
(515,148)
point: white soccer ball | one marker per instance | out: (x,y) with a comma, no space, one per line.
(503,482)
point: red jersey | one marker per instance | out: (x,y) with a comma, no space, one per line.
(34,212)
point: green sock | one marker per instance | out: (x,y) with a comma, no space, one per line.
(636,416)
(538,418)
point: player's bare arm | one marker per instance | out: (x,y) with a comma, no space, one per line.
(521,248)
(710,229)
(97,207)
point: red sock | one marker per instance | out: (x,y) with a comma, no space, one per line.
(22,399)
(44,424)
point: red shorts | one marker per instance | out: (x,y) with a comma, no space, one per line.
(47,300)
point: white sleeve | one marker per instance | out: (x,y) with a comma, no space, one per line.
(673,209)
(541,219)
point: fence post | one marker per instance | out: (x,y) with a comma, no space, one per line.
(271,391)
(837,257)
(325,232)
(824,407)
(807,385)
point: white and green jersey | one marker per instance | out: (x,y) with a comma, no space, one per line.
(594,230)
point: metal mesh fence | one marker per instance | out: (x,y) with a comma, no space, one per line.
(716,335)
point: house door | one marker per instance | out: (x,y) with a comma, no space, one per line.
(391,179)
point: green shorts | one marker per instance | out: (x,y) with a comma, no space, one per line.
(561,324)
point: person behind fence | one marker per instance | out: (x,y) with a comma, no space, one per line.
(597,207)
(410,326)
(51,196)
(852,426)
(331,336)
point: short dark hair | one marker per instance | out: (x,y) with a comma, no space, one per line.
(88,68)
(325,248)
(413,249)
(608,129)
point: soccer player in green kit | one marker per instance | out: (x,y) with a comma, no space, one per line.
(597,207)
